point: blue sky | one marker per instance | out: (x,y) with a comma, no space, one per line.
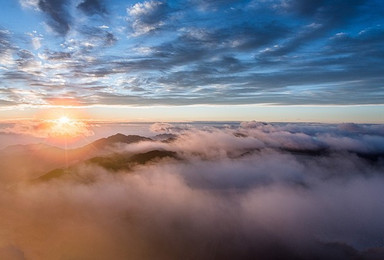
(287,59)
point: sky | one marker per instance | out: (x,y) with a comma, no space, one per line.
(269,114)
(270,60)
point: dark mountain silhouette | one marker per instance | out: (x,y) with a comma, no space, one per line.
(101,146)
(116,162)
(126,161)
(114,139)
(165,138)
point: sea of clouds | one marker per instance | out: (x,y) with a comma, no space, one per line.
(246,191)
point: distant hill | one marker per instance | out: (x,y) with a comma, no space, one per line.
(23,162)
(165,138)
(117,138)
(116,162)
(42,161)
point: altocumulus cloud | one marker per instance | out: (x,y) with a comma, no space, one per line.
(195,52)
(253,191)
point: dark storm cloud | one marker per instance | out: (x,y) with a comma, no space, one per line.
(92,7)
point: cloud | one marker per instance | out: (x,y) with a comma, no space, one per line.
(92,7)
(235,192)
(247,52)
(49,129)
(147,16)
(6,49)
(212,4)
(35,39)
(327,16)
(11,252)
(29,3)
(169,128)
(58,14)
(98,36)
(36,43)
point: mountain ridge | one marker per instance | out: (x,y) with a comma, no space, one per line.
(113,163)
(20,162)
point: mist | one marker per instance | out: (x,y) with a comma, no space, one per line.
(239,191)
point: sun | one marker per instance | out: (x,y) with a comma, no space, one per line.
(64,120)
(67,127)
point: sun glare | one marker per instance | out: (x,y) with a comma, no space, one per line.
(67,127)
(64,120)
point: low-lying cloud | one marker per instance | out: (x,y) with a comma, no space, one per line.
(300,191)
(48,128)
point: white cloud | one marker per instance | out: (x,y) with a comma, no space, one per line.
(146,17)
(6,60)
(144,8)
(36,42)
(232,186)
(30,4)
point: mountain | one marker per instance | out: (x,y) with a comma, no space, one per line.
(165,138)
(114,139)
(116,162)
(123,161)
(23,162)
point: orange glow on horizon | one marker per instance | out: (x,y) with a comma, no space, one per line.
(66,130)
(64,120)
(65,126)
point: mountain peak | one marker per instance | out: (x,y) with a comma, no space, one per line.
(117,135)
(119,138)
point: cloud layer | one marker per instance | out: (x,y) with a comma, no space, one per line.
(194,52)
(237,192)
(49,129)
